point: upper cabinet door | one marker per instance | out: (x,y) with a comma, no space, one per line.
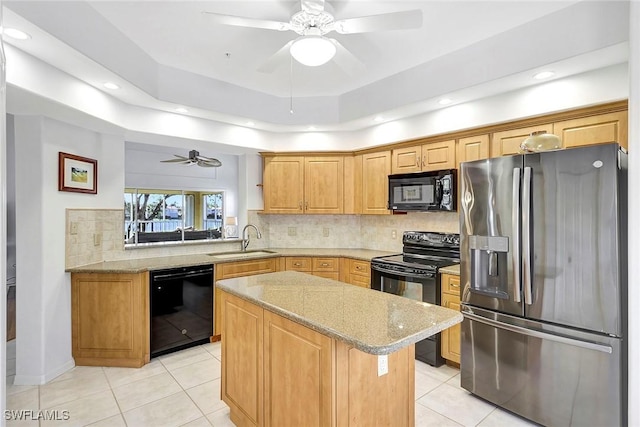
(439,155)
(508,142)
(473,148)
(283,184)
(323,185)
(376,168)
(407,160)
(600,129)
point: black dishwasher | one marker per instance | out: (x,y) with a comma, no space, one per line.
(181,302)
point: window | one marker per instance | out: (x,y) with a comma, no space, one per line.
(169,215)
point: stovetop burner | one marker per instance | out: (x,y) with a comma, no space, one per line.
(424,250)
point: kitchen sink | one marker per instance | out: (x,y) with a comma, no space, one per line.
(240,254)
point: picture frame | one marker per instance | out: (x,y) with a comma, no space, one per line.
(77,174)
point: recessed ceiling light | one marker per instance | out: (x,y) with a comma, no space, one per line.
(250,124)
(110,85)
(445,101)
(16,34)
(378,119)
(311,128)
(543,75)
(181,110)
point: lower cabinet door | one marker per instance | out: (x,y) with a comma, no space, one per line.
(297,372)
(450,338)
(242,354)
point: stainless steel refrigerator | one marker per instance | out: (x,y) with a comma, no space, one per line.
(544,284)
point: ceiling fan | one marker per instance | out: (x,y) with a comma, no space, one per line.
(195,159)
(312,22)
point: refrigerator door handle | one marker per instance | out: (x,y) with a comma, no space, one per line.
(526,236)
(537,334)
(515,251)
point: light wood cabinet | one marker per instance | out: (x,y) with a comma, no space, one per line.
(439,155)
(356,272)
(406,159)
(297,370)
(309,185)
(229,270)
(110,319)
(473,148)
(283,184)
(327,267)
(276,372)
(426,157)
(599,129)
(450,338)
(242,331)
(376,168)
(508,142)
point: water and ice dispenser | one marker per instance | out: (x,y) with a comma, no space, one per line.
(489,265)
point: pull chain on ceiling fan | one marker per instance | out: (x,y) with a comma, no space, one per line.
(313,21)
(195,159)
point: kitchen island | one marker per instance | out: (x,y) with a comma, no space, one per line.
(304,350)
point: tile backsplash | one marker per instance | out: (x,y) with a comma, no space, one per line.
(96,235)
(93,235)
(349,231)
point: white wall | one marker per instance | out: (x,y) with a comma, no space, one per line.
(44,298)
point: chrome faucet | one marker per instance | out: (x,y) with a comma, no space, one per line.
(245,240)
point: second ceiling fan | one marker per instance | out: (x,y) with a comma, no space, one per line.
(311,23)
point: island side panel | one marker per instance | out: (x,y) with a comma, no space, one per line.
(297,374)
(110,319)
(366,399)
(242,360)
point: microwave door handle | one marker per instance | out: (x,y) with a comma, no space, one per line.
(515,224)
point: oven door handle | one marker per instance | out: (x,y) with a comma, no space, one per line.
(402,273)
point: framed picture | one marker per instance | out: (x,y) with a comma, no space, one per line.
(77,174)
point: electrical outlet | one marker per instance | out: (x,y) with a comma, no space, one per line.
(383,365)
(73,227)
(394,234)
(325,231)
(97,239)
(292,231)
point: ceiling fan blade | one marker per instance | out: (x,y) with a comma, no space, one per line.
(209,161)
(387,21)
(208,164)
(346,60)
(239,21)
(179,159)
(312,7)
(277,59)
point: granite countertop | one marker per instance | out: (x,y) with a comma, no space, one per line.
(139,265)
(452,269)
(371,321)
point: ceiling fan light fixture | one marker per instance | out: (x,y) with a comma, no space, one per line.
(312,50)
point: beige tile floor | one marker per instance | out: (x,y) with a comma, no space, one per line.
(183,389)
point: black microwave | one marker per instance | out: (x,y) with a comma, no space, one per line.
(423,191)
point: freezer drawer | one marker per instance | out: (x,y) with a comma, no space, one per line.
(548,374)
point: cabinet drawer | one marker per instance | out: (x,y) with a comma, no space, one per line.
(451,284)
(360,268)
(298,263)
(245,268)
(362,281)
(326,264)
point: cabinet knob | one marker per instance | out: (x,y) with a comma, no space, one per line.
(454,285)
(306,206)
(324,264)
(296,264)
